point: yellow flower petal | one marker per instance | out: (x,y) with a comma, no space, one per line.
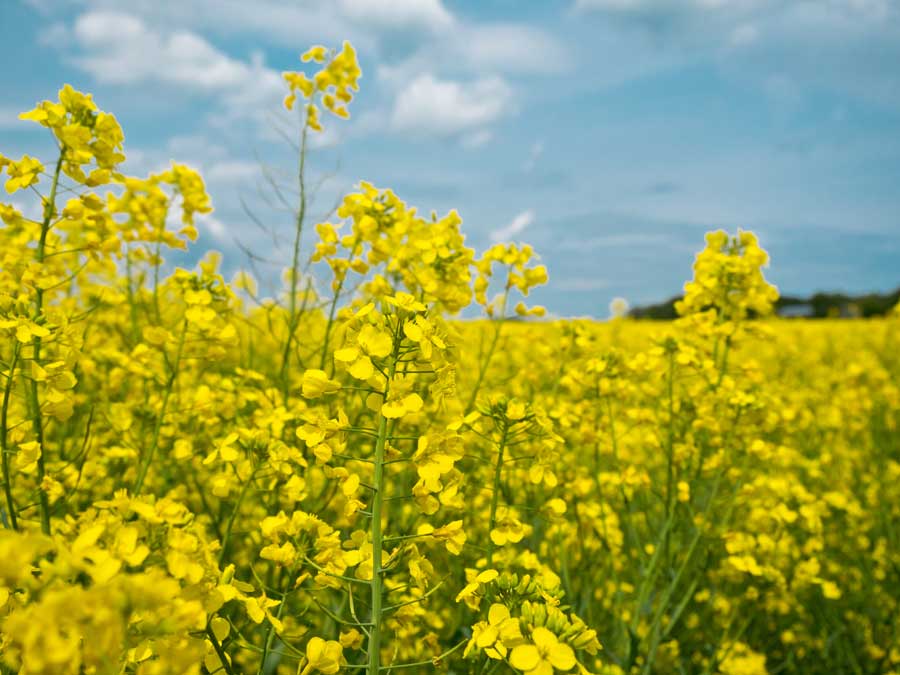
(497,613)
(524,657)
(562,657)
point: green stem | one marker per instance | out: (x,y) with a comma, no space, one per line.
(219,651)
(431,662)
(374,644)
(135,335)
(656,625)
(649,575)
(157,263)
(154,444)
(723,369)
(670,450)
(495,496)
(333,310)
(328,327)
(295,262)
(482,370)
(37,421)
(629,508)
(226,538)
(270,631)
(4,446)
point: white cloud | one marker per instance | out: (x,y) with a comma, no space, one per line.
(211,224)
(9,118)
(120,48)
(581,284)
(668,6)
(206,223)
(30,209)
(607,5)
(505,48)
(287,23)
(54,35)
(516,226)
(432,106)
(398,14)
(534,155)
(223,172)
(293,24)
(197,144)
(233,171)
(744,34)
(626,240)
(432,89)
(738,21)
(476,139)
(508,48)
(372,25)
(845,46)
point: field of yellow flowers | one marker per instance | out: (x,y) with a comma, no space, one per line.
(350,478)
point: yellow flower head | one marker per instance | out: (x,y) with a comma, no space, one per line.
(545,655)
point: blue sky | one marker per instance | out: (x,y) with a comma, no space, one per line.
(610,134)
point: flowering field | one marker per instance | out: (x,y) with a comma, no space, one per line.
(351,478)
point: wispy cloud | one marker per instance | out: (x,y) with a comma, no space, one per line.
(209,223)
(534,155)
(121,49)
(233,171)
(839,45)
(516,226)
(581,284)
(430,15)
(477,138)
(626,239)
(429,105)
(9,118)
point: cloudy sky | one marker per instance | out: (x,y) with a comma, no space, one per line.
(610,134)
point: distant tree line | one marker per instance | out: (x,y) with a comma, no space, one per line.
(817,306)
